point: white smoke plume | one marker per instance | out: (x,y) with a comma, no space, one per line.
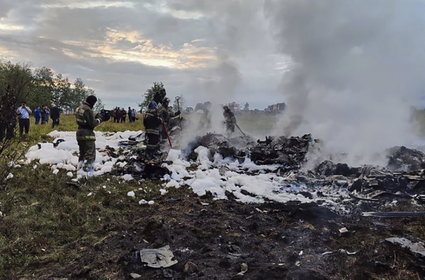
(357,69)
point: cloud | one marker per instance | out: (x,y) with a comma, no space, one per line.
(219,50)
(132,47)
(87,4)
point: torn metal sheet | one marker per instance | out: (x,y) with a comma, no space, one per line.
(415,247)
(393,214)
(157,258)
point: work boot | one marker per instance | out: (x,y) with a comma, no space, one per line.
(89,168)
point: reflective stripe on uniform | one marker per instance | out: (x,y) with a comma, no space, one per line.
(148,146)
(152,131)
(86,137)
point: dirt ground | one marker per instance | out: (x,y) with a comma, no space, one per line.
(219,239)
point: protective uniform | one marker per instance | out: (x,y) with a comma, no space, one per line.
(152,123)
(86,138)
(229,119)
(168,117)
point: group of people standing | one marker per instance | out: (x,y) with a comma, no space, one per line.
(119,115)
(41,115)
(23,113)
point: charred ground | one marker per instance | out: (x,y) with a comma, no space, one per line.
(99,237)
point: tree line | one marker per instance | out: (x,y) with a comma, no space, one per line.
(41,87)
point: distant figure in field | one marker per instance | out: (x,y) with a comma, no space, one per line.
(118,115)
(130,118)
(54,115)
(45,112)
(133,114)
(24,113)
(123,115)
(37,115)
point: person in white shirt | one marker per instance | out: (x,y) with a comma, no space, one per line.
(24,118)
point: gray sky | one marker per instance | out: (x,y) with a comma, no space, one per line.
(221,50)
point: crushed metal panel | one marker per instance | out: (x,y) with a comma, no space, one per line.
(393,214)
(157,258)
(415,247)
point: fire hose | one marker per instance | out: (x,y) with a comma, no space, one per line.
(240,129)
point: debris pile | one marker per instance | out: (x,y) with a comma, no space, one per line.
(246,170)
(136,163)
(290,152)
(405,159)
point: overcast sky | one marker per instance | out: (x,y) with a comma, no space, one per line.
(219,50)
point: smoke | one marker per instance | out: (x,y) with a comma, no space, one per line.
(357,69)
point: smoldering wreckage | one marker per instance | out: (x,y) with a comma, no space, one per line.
(256,212)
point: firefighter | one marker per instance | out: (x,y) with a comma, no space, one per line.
(152,123)
(87,121)
(167,115)
(229,119)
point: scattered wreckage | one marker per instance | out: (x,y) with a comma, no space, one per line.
(402,179)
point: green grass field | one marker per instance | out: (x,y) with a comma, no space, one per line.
(68,123)
(46,222)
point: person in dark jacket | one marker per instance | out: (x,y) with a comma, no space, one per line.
(54,115)
(87,121)
(118,115)
(123,115)
(45,112)
(130,117)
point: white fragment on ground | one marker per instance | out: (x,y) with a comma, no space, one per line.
(131,194)
(56,171)
(135,275)
(163,191)
(90,194)
(143,201)
(70,174)
(151,202)
(127,177)
(9,176)
(35,166)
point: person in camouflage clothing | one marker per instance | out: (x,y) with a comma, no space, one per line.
(87,121)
